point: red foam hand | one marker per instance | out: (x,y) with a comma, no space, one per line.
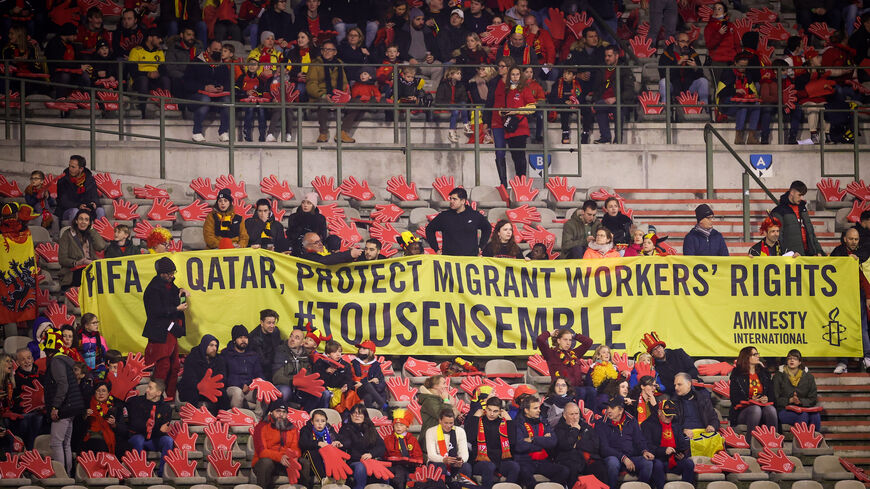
(298,417)
(856,471)
(142,229)
(585,364)
(386,233)
(162,210)
(32,397)
(708,369)
(764,51)
(181,435)
(538,363)
(642,46)
(150,192)
(521,186)
(107,187)
(113,466)
(759,16)
(538,234)
(387,213)
(806,436)
(821,30)
(278,212)
(236,188)
(138,464)
(789,98)
(589,482)
(123,383)
(378,469)
(767,436)
(290,93)
(694,33)
(331,212)
(443,185)
(104,228)
(82,99)
(401,389)
(38,466)
(266,391)
(310,383)
(51,184)
(204,188)
(775,461)
(11,468)
(414,407)
(179,462)
(643,29)
(219,436)
(859,190)
(742,26)
(774,32)
(472,382)
(222,462)
(403,190)
(340,97)
(462,406)
(346,231)
(705,12)
(502,389)
(325,187)
(125,211)
(728,463)
(58,315)
(335,463)
(830,190)
(280,190)
(495,34)
(195,211)
(43,297)
(193,416)
(294,468)
(858,207)
(688,98)
(524,214)
(722,388)
(801,409)
(243,208)
(559,189)
(385,431)
(353,188)
(452,391)
(428,472)
(386,365)
(707,469)
(421,368)
(235,417)
(136,364)
(732,439)
(577,23)
(110,100)
(651,102)
(9,188)
(620,361)
(93,467)
(555,23)
(644,369)
(175,246)
(47,251)
(210,386)
(17,442)
(61,105)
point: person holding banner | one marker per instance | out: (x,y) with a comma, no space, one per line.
(794,391)
(459,226)
(750,391)
(313,249)
(165,304)
(769,245)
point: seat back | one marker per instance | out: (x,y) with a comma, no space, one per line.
(806,485)
(721,485)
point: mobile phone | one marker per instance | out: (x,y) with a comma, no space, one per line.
(184,298)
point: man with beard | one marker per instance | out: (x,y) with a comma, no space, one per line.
(148,418)
(290,358)
(128,35)
(181,48)
(165,304)
(265,338)
(243,366)
(276,443)
(202,358)
(368,377)
(493,434)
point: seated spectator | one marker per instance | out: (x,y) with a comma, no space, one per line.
(313,249)
(222,20)
(27,373)
(223,227)
(644,358)
(409,89)
(477,17)
(337,377)
(580,230)
(207,80)
(502,243)
(636,246)
(663,433)
(67,67)
(473,52)
(7,404)
(242,366)
(101,419)
(602,368)
(368,377)
(265,338)
(769,245)
(606,96)
(123,243)
(668,362)
(687,79)
(365,89)
(452,36)
(276,443)
(277,21)
(558,395)
(623,445)
(264,231)
(77,191)
(38,196)
(316,434)
(25,52)
(703,240)
(849,241)
(311,19)
(402,448)
(418,41)
(147,422)
(251,84)
(299,55)
(644,395)
(324,78)
(564,361)
(542,42)
(372,251)
(750,381)
(534,438)
(737,96)
(105,68)
(202,357)
(180,49)
(77,248)
(149,72)
(128,34)
(794,385)
(452,93)
(490,451)
(306,219)
(290,357)
(353,50)
(616,221)
(447,445)
(602,247)
(578,447)
(91,31)
(516,48)
(433,399)
(91,344)
(810,11)
(358,434)
(694,406)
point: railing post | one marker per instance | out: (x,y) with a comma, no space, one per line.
(477,124)
(283,96)
(779,118)
(544,168)
(22,125)
(708,141)
(7,81)
(231,147)
(395,109)
(617,137)
(120,100)
(667,101)
(338,139)
(747,234)
(856,154)
(299,146)
(93,123)
(408,144)
(162,138)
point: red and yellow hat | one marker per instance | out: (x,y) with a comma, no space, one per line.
(651,341)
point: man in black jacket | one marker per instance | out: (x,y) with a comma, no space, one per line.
(797,233)
(459,226)
(264,231)
(312,249)
(77,190)
(277,21)
(418,41)
(683,78)
(668,362)
(148,420)
(694,406)
(264,339)
(491,452)
(202,358)
(665,439)
(63,397)
(243,366)
(165,304)
(578,447)
(68,71)
(209,81)
(623,446)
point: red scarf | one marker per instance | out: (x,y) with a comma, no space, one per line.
(526,56)
(575,89)
(98,423)
(482,455)
(540,454)
(668,440)
(79,181)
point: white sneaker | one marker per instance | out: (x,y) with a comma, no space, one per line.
(270,138)
(224,137)
(841,368)
(451,136)
(198,137)
(867,362)
(289,137)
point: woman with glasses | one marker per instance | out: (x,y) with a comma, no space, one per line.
(751,392)
(362,442)
(795,387)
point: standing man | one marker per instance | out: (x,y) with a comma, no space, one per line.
(703,240)
(769,245)
(459,226)
(265,338)
(580,230)
(797,232)
(165,304)
(63,398)
(606,94)
(77,190)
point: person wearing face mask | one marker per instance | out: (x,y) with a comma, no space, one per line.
(264,231)
(368,377)
(165,304)
(202,358)
(208,81)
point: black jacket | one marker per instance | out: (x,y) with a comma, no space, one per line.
(242,367)
(450,39)
(139,411)
(264,345)
(492,436)
(676,360)
(652,432)
(790,235)
(299,223)
(337,379)
(161,302)
(256,229)
(740,390)
(114,250)
(195,366)
(680,78)
(620,226)
(62,390)
(279,23)
(626,84)
(301,22)
(459,232)
(703,403)
(349,55)
(573,443)
(309,448)
(68,195)
(359,439)
(615,442)
(199,74)
(775,250)
(403,40)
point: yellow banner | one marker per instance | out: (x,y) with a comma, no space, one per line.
(438,305)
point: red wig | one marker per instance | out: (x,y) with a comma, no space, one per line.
(770,222)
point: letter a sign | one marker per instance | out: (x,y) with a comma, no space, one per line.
(761,165)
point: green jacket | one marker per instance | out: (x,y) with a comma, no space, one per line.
(783,390)
(69,251)
(790,233)
(575,231)
(430,406)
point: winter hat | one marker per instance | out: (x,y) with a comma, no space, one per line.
(164,265)
(415,12)
(239,330)
(615,401)
(101,43)
(266,35)
(311,197)
(279,404)
(703,211)
(225,193)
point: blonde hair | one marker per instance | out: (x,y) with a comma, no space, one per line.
(362,36)
(6,378)
(450,71)
(643,357)
(488,72)
(597,355)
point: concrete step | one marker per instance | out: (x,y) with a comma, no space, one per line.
(828,378)
(843,388)
(849,426)
(851,450)
(847,436)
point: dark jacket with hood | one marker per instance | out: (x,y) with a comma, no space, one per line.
(161,303)
(574,444)
(242,367)
(523,449)
(359,439)
(259,235)
(207,72)
(301,223)
(264,345)
(139,411)
(740,389)
(70,196)
(403,40)
(783,389)
(491,435)
(618,442)
(195,366)
(308,445)
(62,389)
(790,235)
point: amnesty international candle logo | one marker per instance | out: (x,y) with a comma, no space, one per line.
(834,329)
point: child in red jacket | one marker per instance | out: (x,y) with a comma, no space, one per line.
(403,450)
(365,90)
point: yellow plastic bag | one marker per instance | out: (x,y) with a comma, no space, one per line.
(336,398)
(705,444)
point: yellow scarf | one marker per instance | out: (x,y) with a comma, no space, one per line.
(442,442)
(796,378)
